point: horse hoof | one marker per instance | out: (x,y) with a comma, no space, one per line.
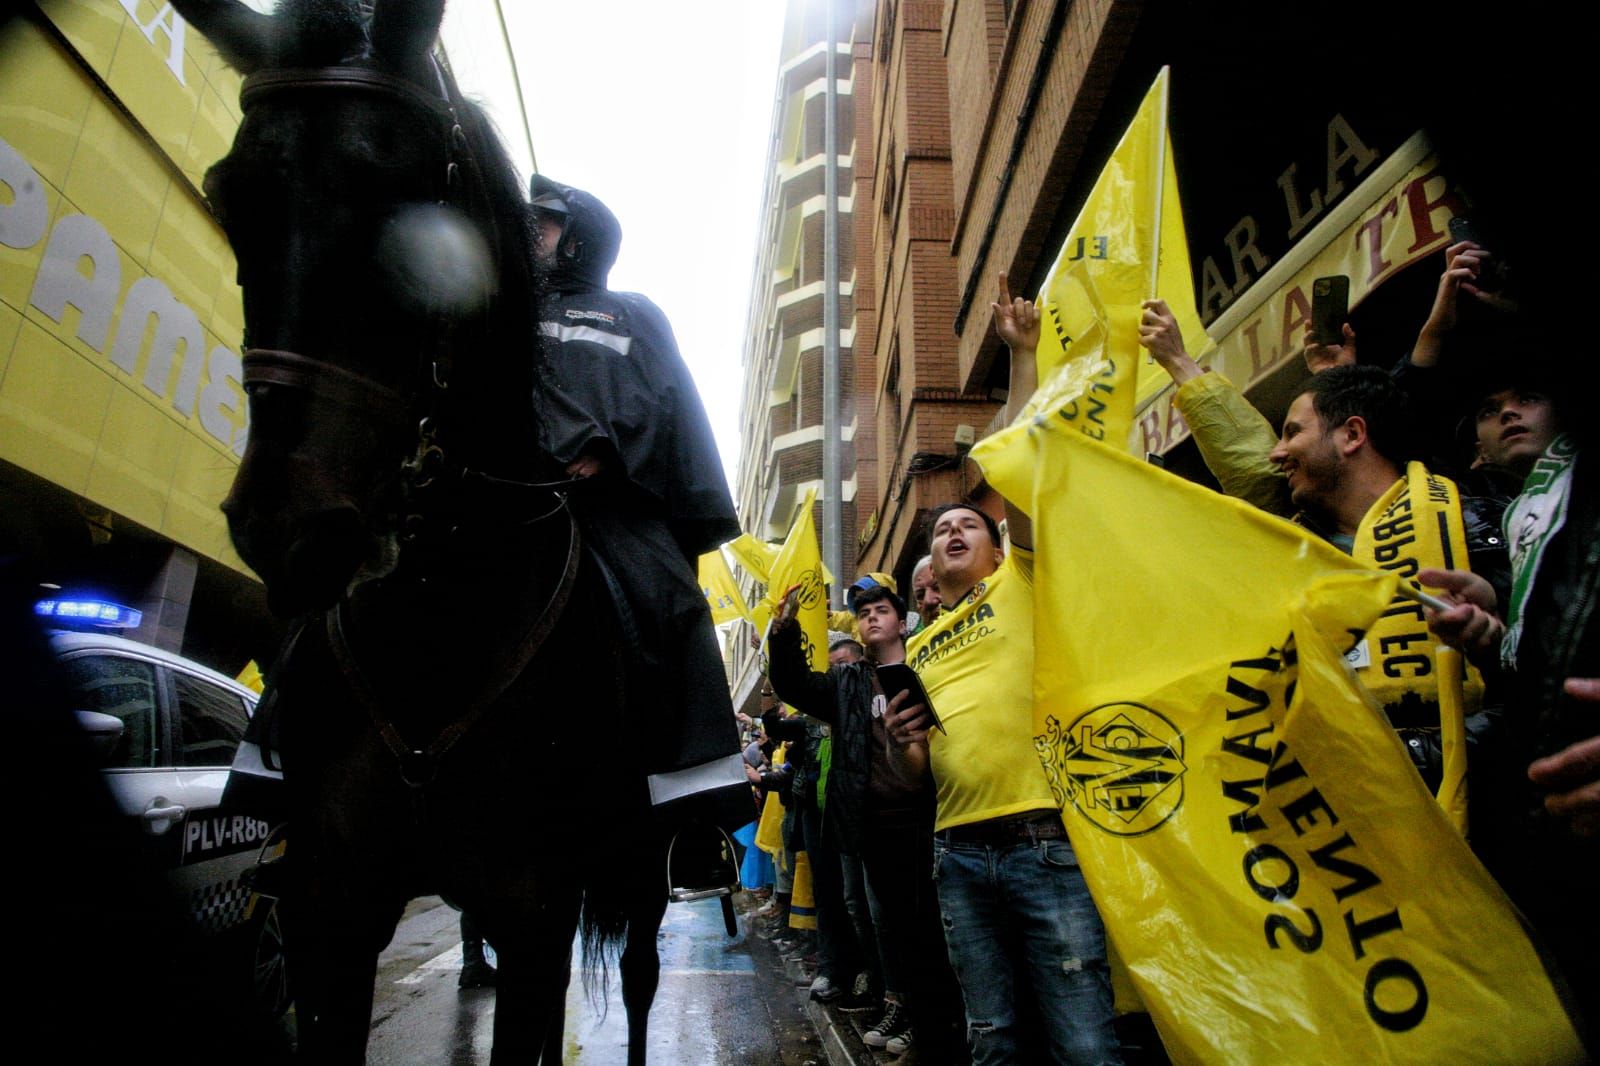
(476,975)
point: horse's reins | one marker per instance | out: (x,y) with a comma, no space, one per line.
(347,388)
(418,766)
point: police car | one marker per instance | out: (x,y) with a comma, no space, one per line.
(165,730)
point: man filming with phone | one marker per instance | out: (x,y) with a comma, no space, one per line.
(879,806)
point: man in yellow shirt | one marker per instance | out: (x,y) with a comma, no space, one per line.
(1017,913)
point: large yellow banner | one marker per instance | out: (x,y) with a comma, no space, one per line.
(1089,308)
(1271,870)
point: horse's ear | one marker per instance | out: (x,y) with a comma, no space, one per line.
(402,32)
(247,39)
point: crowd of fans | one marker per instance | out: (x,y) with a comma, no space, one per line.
(934,884)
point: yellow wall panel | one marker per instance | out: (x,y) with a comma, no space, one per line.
(227,82)
(211,138)
(199,485)
(135,460)
(190,253)
(117,179)
(10,324)
(227,314)
(93,27)
(52,406)
(43,99)
(140,78)
(224,554)
(222,79)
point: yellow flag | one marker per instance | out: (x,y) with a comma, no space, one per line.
(722,592)
(799,562)
(1089,304)
(250,677)
(755,556)
(1270,867)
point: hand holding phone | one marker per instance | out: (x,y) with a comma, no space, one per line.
(1330,308)
(897,678)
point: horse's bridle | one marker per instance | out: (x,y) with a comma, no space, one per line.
(324,381)
(332,384)
(328,383)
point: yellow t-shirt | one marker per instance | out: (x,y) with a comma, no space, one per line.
(976,661)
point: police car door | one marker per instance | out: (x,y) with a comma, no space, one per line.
(215,845)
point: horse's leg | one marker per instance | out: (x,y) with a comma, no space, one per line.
(556,1029)
(641,963)
(334,961)
(531,980)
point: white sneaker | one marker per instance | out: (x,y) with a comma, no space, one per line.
(824,990)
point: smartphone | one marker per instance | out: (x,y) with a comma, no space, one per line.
(895,678)
(1330,307)
(1462,229)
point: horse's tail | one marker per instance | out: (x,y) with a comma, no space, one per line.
(624,896)
(603,929)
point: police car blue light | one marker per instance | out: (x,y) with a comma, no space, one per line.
(90,612)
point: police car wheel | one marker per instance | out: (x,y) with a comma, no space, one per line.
(269,974)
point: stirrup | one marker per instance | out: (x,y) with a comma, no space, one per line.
(700,864)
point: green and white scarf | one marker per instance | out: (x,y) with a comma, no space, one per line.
(1532,520)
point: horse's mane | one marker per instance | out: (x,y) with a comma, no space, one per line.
(510,221)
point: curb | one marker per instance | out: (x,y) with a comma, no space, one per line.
(841,1043)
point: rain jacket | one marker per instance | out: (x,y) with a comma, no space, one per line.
(614,387)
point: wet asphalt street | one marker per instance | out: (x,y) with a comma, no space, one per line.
(721,1000)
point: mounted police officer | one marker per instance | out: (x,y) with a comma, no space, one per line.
(620,411)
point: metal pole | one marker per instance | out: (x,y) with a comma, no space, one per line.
(832,511)
(1161,185)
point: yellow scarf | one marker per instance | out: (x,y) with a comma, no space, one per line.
(1416,525)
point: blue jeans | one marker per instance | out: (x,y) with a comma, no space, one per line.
(1022,913)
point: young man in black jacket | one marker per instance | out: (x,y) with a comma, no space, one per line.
(880,814)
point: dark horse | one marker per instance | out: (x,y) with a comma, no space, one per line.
(438,730)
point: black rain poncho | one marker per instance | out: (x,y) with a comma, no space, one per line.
(615,388)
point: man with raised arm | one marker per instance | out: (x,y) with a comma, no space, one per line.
(1018,917)
(1349,462)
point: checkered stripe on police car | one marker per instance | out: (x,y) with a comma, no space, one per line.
(219,907)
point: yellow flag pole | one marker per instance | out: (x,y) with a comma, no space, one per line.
(1160,182)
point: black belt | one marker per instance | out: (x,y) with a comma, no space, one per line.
(1024,828)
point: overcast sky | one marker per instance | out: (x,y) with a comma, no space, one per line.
(663,111)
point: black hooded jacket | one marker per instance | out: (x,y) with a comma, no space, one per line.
(614,387)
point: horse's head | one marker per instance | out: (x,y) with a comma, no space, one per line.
(366,238)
